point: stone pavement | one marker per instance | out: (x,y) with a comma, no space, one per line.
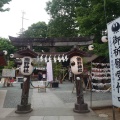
(48,105)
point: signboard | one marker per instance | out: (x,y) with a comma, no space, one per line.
(114,54)
(8,73)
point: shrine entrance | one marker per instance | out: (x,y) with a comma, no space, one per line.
(53,56)
(52,43)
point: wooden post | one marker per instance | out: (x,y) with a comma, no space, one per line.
(24,107)
(80,106)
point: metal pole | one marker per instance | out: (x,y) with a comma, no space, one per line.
(22,21)
(91,95)
(113,109)
(90,77)
(105,11)
(22,29)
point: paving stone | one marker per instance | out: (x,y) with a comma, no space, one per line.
(2,97)
(37,118)
(13,95)
(55,104)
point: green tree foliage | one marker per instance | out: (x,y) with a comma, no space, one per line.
(101,49)
(10,65)
(93,16)
(72,17)
(2,3)
(36,30)
(57,70)
(63,49)
(63,18)
(5,44)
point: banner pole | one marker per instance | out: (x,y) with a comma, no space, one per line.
(113,110)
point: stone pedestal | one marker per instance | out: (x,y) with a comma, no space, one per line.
(22,109)
(81,108)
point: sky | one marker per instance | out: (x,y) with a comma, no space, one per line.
(11,21)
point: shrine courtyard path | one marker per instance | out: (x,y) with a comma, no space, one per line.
(54,104)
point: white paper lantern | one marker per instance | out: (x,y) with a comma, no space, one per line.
(26,68)
(104,39)
(5,52)
(91,47)
(11,55)
(76,64)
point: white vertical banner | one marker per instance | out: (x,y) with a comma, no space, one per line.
(114,55)
(49,71)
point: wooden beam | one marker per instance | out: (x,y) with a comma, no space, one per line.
(51,41)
